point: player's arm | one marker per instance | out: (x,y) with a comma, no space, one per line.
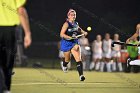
(135,35)
(132,37)
(82,31)
(63,30)
(23,16)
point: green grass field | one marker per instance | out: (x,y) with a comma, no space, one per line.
(31,80)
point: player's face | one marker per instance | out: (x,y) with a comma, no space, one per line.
(116,37)
(138,27)
(98,38)
(72,16)
(107,36)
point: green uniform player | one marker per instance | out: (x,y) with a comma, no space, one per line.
(133,55)
(133,50)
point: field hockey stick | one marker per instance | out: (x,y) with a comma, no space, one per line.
(76,37)
(124,44)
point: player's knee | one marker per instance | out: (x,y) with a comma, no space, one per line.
(67,60)
(62,59)
(78,59)
(76,48)
(79,63)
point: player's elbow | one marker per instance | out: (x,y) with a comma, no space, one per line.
(61,35)
(22,11)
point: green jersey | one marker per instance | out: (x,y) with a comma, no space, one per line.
(133,50)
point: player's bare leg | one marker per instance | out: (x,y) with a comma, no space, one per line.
(77,55)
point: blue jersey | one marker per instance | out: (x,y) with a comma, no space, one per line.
(72,30)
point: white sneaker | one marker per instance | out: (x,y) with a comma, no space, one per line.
(135,62)
(65,69)
(82,78)
(6,91)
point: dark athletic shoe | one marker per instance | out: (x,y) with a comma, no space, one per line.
(82,78)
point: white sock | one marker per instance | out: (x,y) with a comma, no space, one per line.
(102,66)
(120,66)
(61,63)
(84,65)
(114,66)
(108,65)
(92,64)
(69,65)
(97,67)
(6,91)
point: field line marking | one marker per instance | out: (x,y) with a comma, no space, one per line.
(14,84)
(65,83)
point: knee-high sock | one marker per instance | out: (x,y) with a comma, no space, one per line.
(97,67)
(80,68)
(69,65)
(92,64)
(65,64)
(120,66)
(102,66)
(84,65)
(108,65)
(114,66)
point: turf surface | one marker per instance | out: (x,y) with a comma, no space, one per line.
(35,80)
